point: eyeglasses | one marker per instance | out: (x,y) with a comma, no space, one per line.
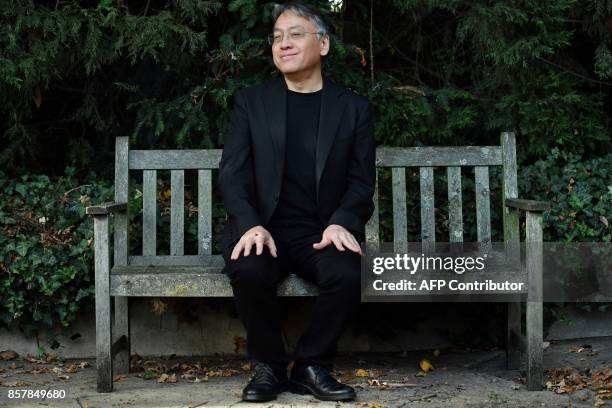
(294,35)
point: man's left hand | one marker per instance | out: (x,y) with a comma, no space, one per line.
(340,237)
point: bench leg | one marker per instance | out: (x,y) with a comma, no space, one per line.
(513,332)
(122,328)
(534,346)
(104,364)
(534,301)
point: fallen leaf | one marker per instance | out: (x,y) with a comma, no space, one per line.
(425,365)
(8,355)
(362,373)
(163,378)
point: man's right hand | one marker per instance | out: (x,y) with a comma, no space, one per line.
(260,237)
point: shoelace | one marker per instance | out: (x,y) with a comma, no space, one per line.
(261,373)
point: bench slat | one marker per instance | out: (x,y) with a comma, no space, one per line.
(400,226)
(428,223)
(149,212)
(455,216)
(204,212)
(192,282)
(371,228)
(181,260)
(177,212)
(175,159)
(483,207)
(432,156)
(120,222)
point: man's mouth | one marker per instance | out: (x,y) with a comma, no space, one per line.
(287,57)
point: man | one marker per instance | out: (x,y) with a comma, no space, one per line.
(297,179)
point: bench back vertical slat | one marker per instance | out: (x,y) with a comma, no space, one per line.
(371,228)
(149,212)
(121,196)
(177,212)
(510,190)
(483,209)
(455,215)
(204,212)
(400,223)
(428,224)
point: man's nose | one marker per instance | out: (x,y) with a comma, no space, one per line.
(285,42)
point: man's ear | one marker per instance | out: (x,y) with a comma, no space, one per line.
(324,45)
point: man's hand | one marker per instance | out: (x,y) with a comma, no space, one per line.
(257,235)
(340,237)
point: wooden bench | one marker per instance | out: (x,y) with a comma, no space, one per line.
(180,275)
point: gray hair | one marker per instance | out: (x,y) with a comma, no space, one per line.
(305,11)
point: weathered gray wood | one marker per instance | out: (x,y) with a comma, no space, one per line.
(534,317)
(106,208)
(455,215)
(527,205)
(169,260)
(428,221)
(121,329)
(483,204)
(513,335)
(372,226)
(175,159)
(400,221)
(510,219)
(510,190)
(149,212)
(104,366)
(204,212)
(197,283)
(121,196)
(121,325)
(438,156)
(177,212)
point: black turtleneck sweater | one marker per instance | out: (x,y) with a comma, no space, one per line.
(297,202)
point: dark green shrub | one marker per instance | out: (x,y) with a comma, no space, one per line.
(46,253)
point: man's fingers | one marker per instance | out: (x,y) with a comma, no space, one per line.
(322,244)
(338,243)
(259,244)
(350,243)
(237,249)
(272,246)
(247,246)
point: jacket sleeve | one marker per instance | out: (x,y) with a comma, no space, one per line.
(236,178)
(356,206)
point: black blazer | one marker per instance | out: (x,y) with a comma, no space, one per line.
(251,168)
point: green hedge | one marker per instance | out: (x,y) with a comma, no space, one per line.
(580,192)
(46,248)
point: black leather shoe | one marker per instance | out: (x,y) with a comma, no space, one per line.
(316,380)
(265,384)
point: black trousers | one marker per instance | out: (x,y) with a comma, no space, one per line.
(254,280)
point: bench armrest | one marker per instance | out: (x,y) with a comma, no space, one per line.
(527,205)
(106,208)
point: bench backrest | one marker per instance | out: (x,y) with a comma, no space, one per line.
(396,158)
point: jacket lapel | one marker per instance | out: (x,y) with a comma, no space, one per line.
(332,107)
(275,105)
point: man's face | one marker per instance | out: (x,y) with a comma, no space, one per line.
(297,54)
